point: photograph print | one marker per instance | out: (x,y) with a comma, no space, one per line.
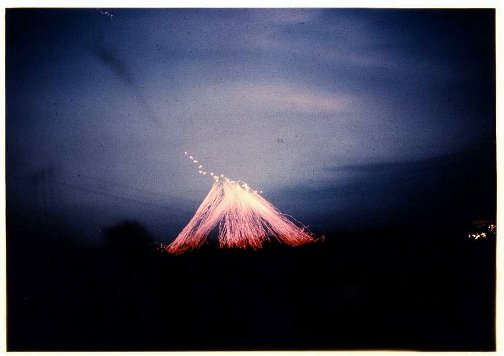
(249,179)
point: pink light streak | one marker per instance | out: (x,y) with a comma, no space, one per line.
(244,219)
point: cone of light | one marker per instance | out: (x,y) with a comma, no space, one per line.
(244,219)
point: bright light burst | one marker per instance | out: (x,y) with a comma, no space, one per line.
(244,219)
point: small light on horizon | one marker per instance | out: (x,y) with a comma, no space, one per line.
(482,231)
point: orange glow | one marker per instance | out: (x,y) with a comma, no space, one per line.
(244,218)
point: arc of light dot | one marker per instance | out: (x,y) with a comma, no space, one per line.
(216,177)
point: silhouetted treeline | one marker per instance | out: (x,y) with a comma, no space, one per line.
(411,287)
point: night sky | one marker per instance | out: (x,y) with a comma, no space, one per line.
(329,112)
(375,128)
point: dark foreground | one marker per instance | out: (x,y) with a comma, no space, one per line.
(413,288)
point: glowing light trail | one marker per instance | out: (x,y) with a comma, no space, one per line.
(244,219)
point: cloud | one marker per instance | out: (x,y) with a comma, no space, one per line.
(109,57)
(287,97)
(286,16)
(292,98)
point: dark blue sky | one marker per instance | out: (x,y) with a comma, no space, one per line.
(340,116)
